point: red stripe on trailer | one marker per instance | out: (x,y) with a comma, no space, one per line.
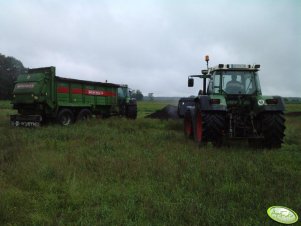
(99,93)
(77,91)
(90,92)
(93,92)
(62,89)
(109,94)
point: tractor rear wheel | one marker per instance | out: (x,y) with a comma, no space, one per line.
(215,126)
(65,117)
(273,129)
(84,114)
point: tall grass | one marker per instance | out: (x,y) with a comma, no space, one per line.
(293,107)
(142,172)
(5,104)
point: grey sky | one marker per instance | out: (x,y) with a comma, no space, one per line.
(154,45)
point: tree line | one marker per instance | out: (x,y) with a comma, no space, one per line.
(10,68)
(137,94)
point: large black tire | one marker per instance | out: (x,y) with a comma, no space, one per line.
(131,112)
(209,127)
(189,123)
(273,129)
(215,127)
(83,115)
(65,117)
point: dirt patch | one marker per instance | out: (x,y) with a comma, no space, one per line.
(168,112)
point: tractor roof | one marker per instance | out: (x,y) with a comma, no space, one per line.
(236,67)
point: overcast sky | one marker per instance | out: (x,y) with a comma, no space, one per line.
(153,45)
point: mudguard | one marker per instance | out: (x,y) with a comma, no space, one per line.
(264,105)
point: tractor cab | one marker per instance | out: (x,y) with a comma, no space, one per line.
(123,93)
(234,80)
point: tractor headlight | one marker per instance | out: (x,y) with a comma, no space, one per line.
(35,97)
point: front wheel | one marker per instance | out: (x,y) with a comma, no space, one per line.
(65,117)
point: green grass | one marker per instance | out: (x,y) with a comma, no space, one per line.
(293,107)
(143,172)
(148,107)
(5,104)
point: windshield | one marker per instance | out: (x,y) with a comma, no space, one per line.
(235,82)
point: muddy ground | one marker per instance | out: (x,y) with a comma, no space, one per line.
(168,112)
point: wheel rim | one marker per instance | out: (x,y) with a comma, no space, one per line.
(65,119)
(85,117)
(199,127)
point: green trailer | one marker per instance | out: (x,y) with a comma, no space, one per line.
(40,96)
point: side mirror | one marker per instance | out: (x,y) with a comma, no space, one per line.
(190,82)
(204,72)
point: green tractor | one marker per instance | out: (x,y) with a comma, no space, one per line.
(233,107)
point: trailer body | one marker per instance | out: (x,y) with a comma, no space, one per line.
(39,95)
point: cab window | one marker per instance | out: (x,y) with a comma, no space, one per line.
(216,83)
(121,93)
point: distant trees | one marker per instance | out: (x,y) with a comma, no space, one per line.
(137,94)
(151,96)
(10,68)
(292,100)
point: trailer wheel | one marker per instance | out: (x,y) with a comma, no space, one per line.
(273,129)
(131,111)
(65,117)
(84,114)
(189,124)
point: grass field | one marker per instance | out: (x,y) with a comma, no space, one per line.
(148,107)
(293,108)
(142,172)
